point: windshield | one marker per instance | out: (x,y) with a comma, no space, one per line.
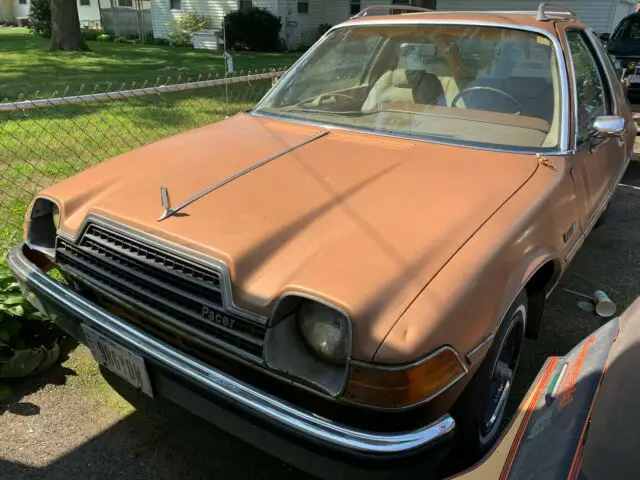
(459,84)
(629,29)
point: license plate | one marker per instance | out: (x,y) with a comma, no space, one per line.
(118,359)
(634,78)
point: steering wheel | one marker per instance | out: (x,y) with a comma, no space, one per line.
(318,99)
(509,97)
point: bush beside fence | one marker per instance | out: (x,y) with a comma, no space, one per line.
(46,140)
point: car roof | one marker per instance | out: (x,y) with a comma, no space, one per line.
(517,19)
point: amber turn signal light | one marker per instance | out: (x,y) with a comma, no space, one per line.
(404,386)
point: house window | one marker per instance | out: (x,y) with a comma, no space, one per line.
(125,3)
(22,2)
(85,3)
(175,4)
(303,7)
(355,6)
(244,4)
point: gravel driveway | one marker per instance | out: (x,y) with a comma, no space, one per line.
(71,425)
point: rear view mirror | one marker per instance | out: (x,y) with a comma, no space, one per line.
(609,126)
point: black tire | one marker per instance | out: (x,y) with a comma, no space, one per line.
(475,433)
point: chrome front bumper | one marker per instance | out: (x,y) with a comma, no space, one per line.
(60,301)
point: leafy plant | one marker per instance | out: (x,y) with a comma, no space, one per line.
(91,33)
(147,38)
(105,37)
(40,18)
(14,309)
(120,39)
(253,28)
(182,29)
(28,340)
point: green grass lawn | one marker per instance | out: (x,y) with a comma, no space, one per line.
(41,146)
(26,66)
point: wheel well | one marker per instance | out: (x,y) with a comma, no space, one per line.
(537,288)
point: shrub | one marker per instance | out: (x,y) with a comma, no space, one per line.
(28,340)
(161,41)
(40,18)
(323,28)
(253,28)
(183,28)
(91,33)
(120,39)
(105,37)
(147,38)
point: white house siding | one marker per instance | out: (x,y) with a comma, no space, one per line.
(6,10)
(598,14)
(89,13)
(624,8)
(162,15)
(302,30)
(20,9)
(86,13)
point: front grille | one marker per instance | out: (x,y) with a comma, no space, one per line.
(167,288)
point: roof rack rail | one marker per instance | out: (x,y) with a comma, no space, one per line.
(364,12)
(545,9)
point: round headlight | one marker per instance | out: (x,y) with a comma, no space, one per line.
(325,330)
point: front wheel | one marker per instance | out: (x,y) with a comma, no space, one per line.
(480,409)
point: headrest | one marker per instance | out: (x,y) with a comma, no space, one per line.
(403,78)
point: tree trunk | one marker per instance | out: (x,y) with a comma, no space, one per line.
(65,26)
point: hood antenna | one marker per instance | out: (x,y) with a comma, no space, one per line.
(166,202)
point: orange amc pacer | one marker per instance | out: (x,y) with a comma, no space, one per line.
(344,276)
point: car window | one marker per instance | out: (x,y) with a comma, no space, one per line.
(342,68)
(628,30)
(592,96)
(455,83)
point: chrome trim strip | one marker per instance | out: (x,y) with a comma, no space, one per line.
(478,352)
(174,249)
(395,367)
(574,248)
(366,10)
(260,403)
(168,212)
(411,20)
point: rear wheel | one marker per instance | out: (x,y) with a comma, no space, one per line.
(480,410)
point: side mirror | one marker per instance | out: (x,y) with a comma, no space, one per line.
(605,37)
(609,126)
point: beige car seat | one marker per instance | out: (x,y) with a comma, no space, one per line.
(404,86)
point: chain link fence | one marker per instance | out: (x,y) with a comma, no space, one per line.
(44,140)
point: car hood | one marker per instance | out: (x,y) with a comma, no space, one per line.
(362,221)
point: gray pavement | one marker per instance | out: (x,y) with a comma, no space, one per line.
(70,424)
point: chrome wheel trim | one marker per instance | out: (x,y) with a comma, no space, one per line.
(502,375)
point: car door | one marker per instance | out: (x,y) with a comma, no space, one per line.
(598,161)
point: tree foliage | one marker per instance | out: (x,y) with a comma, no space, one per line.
(253,28)
(183,28)
(40,18)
